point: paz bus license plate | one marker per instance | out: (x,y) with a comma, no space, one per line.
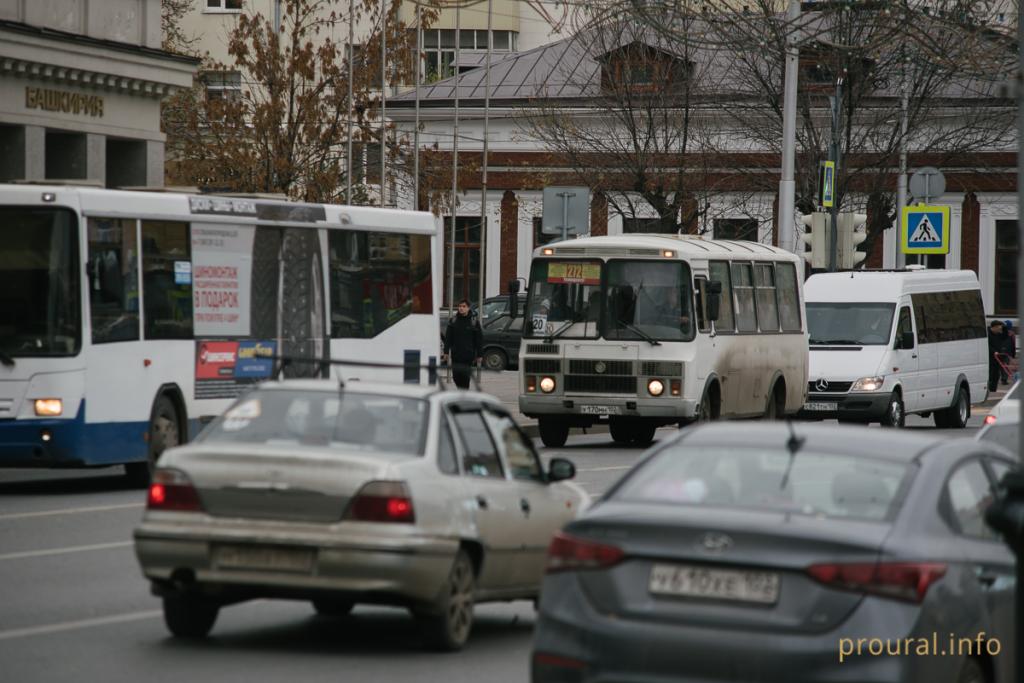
(600,410)
(823,406)
(266,558)
(716,584)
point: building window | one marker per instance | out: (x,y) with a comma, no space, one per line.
(649,225)
(223,5)
(1006,268)
(439,49)
(222,85)
(467,258)
(736,229)
(929,261)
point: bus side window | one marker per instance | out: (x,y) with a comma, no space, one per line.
(113,270)
(789,297)
(166,280)
(718,271)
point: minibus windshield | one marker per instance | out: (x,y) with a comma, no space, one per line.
(849,324)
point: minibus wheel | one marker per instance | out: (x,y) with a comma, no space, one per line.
(894,415)
(553,431)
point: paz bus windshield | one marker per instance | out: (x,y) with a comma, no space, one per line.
(40,310)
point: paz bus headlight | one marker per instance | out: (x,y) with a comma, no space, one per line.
(547,384)
(49,407)
(655,387)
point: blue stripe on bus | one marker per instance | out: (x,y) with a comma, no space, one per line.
(72,442)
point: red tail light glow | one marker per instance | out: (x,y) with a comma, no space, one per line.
(568,553)
(382,501)
(172,490)
(990,419)
(902,580)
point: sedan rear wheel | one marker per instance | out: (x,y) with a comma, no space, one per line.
(494,359)
(448,625)
(189,617)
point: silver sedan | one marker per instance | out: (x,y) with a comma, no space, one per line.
(387,494)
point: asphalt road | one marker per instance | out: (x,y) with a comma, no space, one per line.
(74,606)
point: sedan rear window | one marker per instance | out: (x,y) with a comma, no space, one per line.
(811,483)
(348,420)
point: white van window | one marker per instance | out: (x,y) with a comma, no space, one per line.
(789,297)
(857,324)
(949,316)
(905,325)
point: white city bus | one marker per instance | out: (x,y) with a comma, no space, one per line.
(649,330)
(128,319)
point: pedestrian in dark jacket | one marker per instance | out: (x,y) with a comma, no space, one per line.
(463,344)
(998,342)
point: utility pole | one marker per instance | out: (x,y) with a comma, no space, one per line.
(383,102)
(416,132)
(483,177)
(901,179)
(455,169)
(787,185)
(837,110)
(351,56)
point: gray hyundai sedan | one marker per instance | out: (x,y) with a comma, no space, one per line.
(788,553)
(389,494)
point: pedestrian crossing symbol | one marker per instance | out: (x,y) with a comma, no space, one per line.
(925,230)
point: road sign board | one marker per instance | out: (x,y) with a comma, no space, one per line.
(927,184)
(566,205)
(925,230)
(827,184)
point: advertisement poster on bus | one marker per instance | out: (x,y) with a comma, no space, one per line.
(224,368)
(221,277)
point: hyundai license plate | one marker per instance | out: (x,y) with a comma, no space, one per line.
(265,558)
(600,410)
(714,584)
(822,406)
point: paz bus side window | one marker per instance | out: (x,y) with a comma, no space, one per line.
(718,271)
(113,269)
(700,289)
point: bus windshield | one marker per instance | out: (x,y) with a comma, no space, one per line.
(39,282)
(853,324)
(649,300)
(565,299)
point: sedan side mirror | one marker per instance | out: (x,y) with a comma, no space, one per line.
(560,469)
(714,302)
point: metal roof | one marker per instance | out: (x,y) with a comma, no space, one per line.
(690,245)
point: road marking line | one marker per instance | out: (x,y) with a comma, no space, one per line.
(605,469)
(71,511)
(82,623)
(61,551)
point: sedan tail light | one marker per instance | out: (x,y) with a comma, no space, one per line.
(902,580)
(382,501)
(568,553)
(172,490)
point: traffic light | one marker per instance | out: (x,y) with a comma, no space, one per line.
(849,237)
(819,238)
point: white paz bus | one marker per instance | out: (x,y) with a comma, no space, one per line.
(127,319)
(649,330)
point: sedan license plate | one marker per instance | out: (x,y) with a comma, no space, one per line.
(600,410)
(265,558)
(822,406)
(715,584)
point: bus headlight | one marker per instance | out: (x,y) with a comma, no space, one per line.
(655,387)
(49,407)
(868,384)
(547,384)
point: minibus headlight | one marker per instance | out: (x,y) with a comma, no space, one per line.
(547,384)
(868,384)
(655,387)
(49,407)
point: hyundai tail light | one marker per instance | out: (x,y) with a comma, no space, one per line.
(382,501)
(902,580)
(568,553)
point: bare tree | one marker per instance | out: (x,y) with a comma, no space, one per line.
(174,37)
(631,113)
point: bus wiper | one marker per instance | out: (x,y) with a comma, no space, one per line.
(633,328)
(560,331)
(6,359)
(851,342)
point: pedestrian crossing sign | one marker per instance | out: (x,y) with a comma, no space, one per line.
(924,230)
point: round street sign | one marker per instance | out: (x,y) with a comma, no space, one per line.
(927,183)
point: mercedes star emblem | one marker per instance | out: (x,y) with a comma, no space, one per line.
(821,384)
(600,367)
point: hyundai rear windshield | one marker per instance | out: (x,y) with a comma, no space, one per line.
(347,420)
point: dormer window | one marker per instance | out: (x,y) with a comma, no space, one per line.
(639,67)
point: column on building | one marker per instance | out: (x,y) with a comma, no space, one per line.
(775,220)
(970,229)
(509,236)
(598,215)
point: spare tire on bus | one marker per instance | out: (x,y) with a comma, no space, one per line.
(303,319)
